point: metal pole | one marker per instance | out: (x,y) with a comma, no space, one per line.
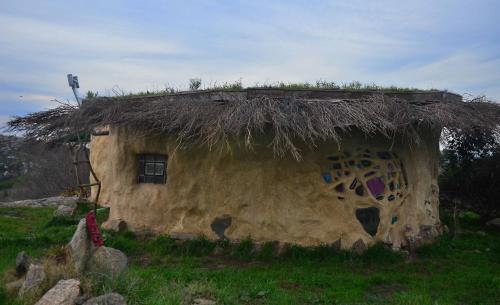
(75,92)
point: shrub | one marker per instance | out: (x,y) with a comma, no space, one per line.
(471,172)
(244,249)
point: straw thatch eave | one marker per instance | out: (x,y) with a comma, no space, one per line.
(289,117)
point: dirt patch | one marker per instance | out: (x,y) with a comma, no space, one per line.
(290,286)
(220,262)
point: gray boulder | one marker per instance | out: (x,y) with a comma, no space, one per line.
(64,211)
(108,261)
(22,263)
(80,246)
(80,300)
(34,279)
(65,292)
(116,225)
(107,299)
(494,223)
(51,202)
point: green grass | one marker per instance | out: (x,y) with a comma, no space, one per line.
(237,85)
(462,270)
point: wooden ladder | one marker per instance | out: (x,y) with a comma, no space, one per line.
(80,150)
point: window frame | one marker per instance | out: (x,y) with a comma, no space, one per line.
(156,161)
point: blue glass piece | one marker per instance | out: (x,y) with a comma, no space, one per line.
(327,177)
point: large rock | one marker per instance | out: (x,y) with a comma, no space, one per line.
(80,246)
(64,211)
(22,263)
(109,261)
(34,279)
(494,223)
(64,292)
(116,225)
(51,202)
(107,299)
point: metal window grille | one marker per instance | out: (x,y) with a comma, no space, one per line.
(152,169)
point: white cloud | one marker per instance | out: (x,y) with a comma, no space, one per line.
(32,36)
(37,100)
(464,72)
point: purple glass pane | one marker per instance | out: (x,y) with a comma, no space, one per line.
(340,188)
(376,186)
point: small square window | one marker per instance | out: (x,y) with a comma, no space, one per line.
(159,169)
(149,169)
(152,168)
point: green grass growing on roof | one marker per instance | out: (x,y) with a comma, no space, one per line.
(238,85)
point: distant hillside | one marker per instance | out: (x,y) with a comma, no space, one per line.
(35,170)
(11,164)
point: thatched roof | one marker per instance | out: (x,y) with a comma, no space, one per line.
(289,116)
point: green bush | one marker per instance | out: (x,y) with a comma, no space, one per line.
(244,249)
(197,247)
(266,251)
(381,254)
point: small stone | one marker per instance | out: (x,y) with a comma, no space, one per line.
(79,246)
(109,261)
(183,236)
(34,278)
(481,233)
(201,301)
(115,225)
(280,248)
(257,248)
(22,263)
(494,223)
(64,211)
(261,293)
(64,292)
(107,299)
(359,246)
(405,253)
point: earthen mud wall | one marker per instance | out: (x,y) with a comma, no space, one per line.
(370,189)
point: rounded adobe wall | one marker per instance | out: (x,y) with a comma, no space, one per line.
(250,193)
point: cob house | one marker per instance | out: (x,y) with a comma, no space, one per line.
(306,167)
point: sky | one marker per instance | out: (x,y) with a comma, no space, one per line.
(144,45)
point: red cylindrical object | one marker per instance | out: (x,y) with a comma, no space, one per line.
(93,229)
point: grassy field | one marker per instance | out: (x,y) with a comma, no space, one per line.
(461,270)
